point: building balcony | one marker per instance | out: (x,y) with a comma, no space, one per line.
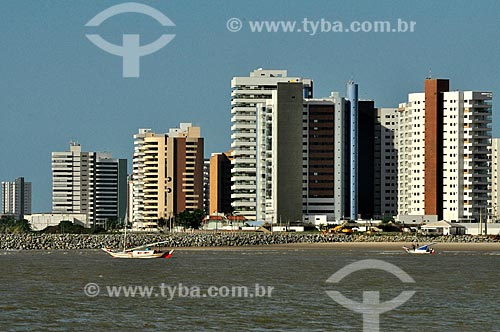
(243,135)
(243,171)
(237,204)
(243,108)
(243,187)
(246,92)
(243,118)
(242,177)
(243,144)
(243,126)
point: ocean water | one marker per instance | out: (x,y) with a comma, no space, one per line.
(45,291)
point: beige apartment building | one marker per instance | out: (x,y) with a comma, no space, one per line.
(167,174)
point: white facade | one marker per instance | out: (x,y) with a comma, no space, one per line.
(88,183)
(411,156)
(387,161)
(264,163)
(246,94)
(40,221)
(138,169)
(206,185)
(495,178)
(466,155)
(70,181)
(16,198)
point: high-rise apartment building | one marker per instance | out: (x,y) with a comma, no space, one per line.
(367,117)
(167,174)
(444,143)
(495,180)
(108,189)
(16,198)
(89,183)
(386,163)
(246,94)
(279,155)
(185,166)
(324,173)
(206,186)
(71,180)
(324,165)
(220,182)
(329,160)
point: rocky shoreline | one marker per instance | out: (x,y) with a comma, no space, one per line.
(179,240)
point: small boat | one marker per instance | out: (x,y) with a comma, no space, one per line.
(139,252)
(425,249)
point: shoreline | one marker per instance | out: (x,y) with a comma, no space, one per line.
(385,246)
(202,241)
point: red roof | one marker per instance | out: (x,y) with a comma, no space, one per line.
(236,218)
(214,218)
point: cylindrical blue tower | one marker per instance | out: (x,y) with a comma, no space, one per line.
(352,97)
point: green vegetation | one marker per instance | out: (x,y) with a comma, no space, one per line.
(67,227)
(162,222)
(113,224)
(191,219)
(8,224)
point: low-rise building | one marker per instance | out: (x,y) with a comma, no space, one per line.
(40,221)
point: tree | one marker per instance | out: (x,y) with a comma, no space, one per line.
(23,226)
(191,219)
(8,224)
(112,223)
(387,219)
(162,222)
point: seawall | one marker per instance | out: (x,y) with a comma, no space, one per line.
(176,240)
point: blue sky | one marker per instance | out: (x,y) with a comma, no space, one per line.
(56,86)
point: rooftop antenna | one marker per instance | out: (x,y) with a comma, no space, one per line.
(430,75)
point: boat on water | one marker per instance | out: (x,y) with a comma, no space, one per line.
(139,252)
(144,251)
(424,250)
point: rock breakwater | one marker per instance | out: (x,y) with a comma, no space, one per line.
(176,240)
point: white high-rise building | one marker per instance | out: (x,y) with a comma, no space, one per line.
(411,157)
(495,179)
(70,180)
(16,198)
(246,94)
(138,170)
(89,183)
(386,162)
(444,142)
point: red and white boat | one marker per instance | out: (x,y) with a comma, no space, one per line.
(139,252)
